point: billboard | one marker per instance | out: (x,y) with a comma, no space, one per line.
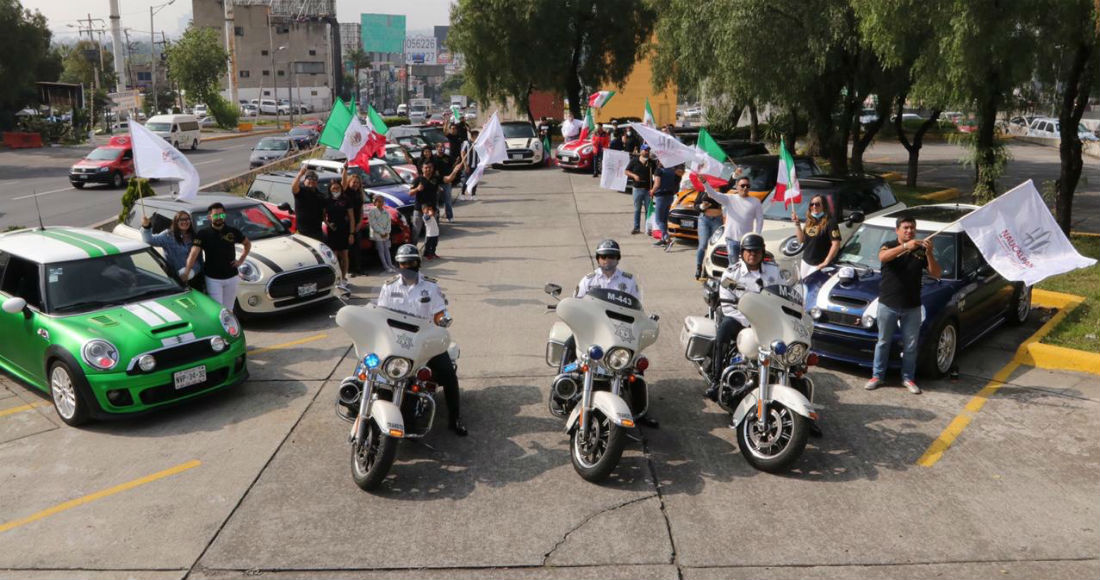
(420,50)
(383,32)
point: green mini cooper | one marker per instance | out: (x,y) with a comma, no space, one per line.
(103,324)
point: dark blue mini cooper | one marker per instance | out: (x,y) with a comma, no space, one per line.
(969,301)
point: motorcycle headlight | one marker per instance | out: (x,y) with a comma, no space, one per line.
(796,353)
(100,354)
(397,367)
(867,321)
(787,276)
(229,323)
(249,271)
(327,253)
(618,358)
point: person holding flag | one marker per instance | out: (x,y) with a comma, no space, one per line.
(744,214)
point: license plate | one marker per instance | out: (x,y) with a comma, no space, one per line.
(563,158)
(517,156)
(189,377)
(687,223)
(307,289)
(80,177)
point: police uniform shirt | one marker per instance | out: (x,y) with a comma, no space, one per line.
(619,280)
(739,274)
(423,299)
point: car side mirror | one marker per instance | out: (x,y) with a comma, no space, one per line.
(14,304)
(286,223)
(285,206)
(855,218)
(984,270)
(553,290)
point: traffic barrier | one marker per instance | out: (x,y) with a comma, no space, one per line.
(19,140)
(244,126)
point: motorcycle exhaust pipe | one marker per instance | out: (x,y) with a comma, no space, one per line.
(565,386)
(350,391)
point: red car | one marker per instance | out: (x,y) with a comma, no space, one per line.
(575,154)
(112,164)
(316,124)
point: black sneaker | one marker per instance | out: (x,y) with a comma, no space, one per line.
(635,231)
(698,272)
(459,429)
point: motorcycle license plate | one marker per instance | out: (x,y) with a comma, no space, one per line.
(188,377)
(687,223)
(307,289)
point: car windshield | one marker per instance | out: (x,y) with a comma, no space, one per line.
(162,127)
(862,248)
(297,132)
(90,284)
(104,154)
(395,156)
(518,131)
(276,192)
(433,135)
(256,222)
(381,174)
(412,143)
(273,145)
(762,174)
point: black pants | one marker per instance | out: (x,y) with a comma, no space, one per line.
(430,245)
(724,339)
(355,255)
(443,372)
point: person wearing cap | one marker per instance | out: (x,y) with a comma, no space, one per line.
(640,171)
(309,204)
(749,273)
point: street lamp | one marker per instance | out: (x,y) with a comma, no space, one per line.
(153,49)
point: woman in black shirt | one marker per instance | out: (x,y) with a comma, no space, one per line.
(339,217)
(820,237)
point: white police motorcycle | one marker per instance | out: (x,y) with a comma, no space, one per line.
(594,392)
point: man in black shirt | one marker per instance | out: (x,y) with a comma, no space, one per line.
(640,171)
(903,263)
(444,165)
(218,245)
(308,204)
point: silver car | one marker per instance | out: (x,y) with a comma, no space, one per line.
(271,149)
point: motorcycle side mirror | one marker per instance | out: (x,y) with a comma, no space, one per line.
(855,218)
(552,289)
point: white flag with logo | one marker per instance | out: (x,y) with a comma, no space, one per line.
(1020,239)
(613,171)
(490,147)
(669,151)
(155,158)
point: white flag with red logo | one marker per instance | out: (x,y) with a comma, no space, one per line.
(155,158)
(1019,237)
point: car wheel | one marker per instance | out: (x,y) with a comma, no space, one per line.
(937,357)
(67,400)
(1020,306)
(116,180)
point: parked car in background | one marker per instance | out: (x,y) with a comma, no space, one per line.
(1050,128)
(298,107)
(271,149)
(389,112)
(283,271)
(106,328)
(112,164)
(436,120)
(431,134)
(249,110)
(575,154)
(270,107)
(524,145)
(395,155)
(968,301)
(179,130)
(316,124)
(304,137)
(199,110)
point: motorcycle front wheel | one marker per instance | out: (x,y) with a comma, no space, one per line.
(774,447)
(371,460)
(595,457)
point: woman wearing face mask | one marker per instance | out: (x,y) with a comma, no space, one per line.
(339,217)
(820,237)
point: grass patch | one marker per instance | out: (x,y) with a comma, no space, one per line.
(1081,329)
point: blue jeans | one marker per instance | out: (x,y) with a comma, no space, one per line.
(888,319)
(641,200)
(661,205)
(733,248)
(446,191)
(707,225)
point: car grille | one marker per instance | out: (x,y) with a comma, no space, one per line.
(568,156)
(175,356)
(86,170)
(286,285)
(839,318)
(169,392)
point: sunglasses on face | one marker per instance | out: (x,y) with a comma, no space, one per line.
(217,216)
(743,186)
(815,204)
(183,220)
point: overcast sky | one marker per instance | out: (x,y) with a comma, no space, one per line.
(63,15)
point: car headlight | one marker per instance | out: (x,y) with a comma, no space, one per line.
(796,353)
(717,235)
(103,169)
(586,150)
(327,253)
(867,321)
(147,363)
(791,246)
(229,323)
(397,367)
(100,354)
(249,271)
(618,358)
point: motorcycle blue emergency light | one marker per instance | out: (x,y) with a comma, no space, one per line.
(595,352)
(779,347)
(371,360)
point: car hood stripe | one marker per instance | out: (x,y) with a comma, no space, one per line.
(162,311)
(93,251)
(311,249)
(147,316)
(267,261)
(106,247)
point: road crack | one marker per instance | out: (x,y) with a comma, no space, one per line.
(590,517)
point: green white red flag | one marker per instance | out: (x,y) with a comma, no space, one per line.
(600,98)
(589,127)
(787,189)
(358,141)
(648,119)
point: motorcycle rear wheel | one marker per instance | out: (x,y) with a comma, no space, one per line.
(596,458)
(773,450)
(371,461)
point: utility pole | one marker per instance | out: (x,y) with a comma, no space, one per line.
(274,73)
(230,47)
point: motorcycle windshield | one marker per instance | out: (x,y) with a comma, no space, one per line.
(788,293)
(774,315)
(387,333)
(608,323)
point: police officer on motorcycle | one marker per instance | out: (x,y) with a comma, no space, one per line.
(750,273)
(414,294)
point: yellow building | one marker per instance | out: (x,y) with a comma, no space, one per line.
(629,99)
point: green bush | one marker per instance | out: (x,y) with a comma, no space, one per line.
(395,121)
(225,113)
(137,188)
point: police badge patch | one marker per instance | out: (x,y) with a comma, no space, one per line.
(405,341)
(624,332)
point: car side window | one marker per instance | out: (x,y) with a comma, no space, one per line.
(127,155)
(160,223)
(4,257)
(21,279)
(969,256)
(853,200)
(257,194)
(885,195)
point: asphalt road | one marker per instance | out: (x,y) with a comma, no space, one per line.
(256,480)
(44,173)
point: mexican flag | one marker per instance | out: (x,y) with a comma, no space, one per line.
(589,127)
(376,121)
(456,116)
(600,98)
(358,141)
(648,119)
(786,185)
(709,156)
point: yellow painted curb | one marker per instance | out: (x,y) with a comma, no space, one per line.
(1086,234)
(942,195)
(891,176)
(238,135)
(1048,356)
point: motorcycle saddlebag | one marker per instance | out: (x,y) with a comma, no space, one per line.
(697,337)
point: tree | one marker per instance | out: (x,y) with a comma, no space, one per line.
(359,60)
(514,47)
(27,58)
(196,62)
(82,66)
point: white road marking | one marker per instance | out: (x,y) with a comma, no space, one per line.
(42,193)
(205,162)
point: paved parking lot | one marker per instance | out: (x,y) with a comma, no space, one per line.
(256,480)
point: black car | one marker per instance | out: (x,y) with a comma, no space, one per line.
(304,137)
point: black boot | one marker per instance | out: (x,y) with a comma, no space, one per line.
(648,421)
(457,426)
(698,272)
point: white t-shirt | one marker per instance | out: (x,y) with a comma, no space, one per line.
(744,214)
(570,129)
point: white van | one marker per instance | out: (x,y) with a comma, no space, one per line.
(402,110)
(179,130)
